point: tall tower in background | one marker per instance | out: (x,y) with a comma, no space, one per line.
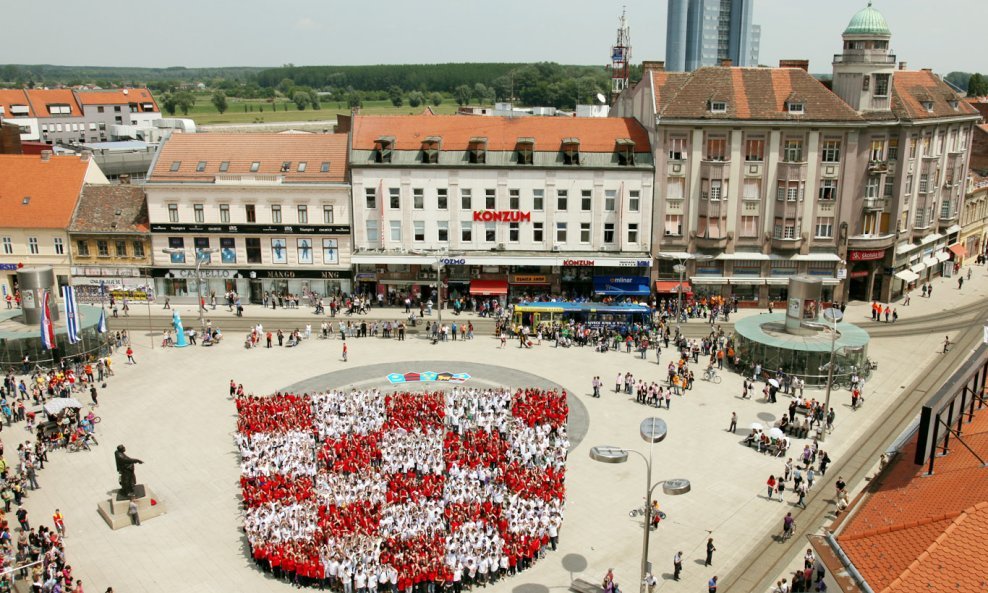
(620,58)
(863,72)
(707,32)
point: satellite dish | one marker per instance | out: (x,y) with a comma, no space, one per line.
(601,98)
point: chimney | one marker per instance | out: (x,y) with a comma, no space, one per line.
(652,65)
(726,63)
(902,65)
(803,65)
(86,155)
(124,179)
(45,156)
(927,69)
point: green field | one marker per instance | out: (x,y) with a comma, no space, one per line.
(248,111)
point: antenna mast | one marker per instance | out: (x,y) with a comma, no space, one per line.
(620,57)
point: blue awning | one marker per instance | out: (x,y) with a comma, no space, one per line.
(621,285)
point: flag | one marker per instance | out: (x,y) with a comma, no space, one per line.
(101,324)
(71,314)
(47,328)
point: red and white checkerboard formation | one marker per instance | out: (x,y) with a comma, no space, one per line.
(404,487)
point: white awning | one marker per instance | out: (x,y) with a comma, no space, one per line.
(747,280)
(54,406)
(742,256)
(930,239)
(905,248)
(817,257)
(831,281)
(698,280)
(673,255)
(777,281)
(918,268)
(930,261)
(952,229)
(907,276)
(942,256)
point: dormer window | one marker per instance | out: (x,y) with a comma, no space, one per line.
(795,107)
(59,109)
(175,166)
(718,106)
(286,166)
(524,149)
(430,150)
(224,166)
(954,104)
(571,151)
(928,105)
(19,110)
(382,149)
(625,152)
(478,151)
(255,166)
(200,166)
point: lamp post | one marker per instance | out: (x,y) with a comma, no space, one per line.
(202,256)
(680,267)
(833,314)
(439,290)
(651,430)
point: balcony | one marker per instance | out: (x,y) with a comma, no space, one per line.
(864,57)
(949,215)
(791,171)
(875,203)
(781,244)
(878,166)
(712,242)
(871,241)
(249,179)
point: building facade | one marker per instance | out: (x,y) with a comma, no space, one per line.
(707,32)
(973,239)
(38,195)
(507,207)
(267,213)
(763,173)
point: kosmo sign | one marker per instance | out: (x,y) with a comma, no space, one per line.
(870,255)
(452,261)
(501,216)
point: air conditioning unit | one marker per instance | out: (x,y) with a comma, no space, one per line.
(555,248)
(475,273)
(500,246)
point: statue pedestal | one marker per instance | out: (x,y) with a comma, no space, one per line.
(114,509)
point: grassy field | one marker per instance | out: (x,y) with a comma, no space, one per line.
(248,111)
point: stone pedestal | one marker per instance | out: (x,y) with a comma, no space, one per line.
(114,509)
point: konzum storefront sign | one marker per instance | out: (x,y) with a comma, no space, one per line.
(501,216)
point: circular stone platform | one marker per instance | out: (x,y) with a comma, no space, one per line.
(481,376)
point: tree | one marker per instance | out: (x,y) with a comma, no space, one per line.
(462,94)
(185,101)
(416,98)
(220,102)
(483,93)
(301,99)
(436,99)
(395,95)
(977,86)
(314,100)
(169,103)
(286,85)
(354,100)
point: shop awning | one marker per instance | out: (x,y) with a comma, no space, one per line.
(942,256)
(958,250)
(621,285)
(918,268)
(667,286)
(907,276)
(489,287)
(930,261)
(747,281)
(709,280)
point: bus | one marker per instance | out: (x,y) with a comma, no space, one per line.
(590,314)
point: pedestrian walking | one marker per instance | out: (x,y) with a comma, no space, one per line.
(677,565)
(344,351)
(734,422)
(93,394)
(710,554)
(133,512)
(596,386)
(130,355)
(809,478)
(59,521)
(712,583)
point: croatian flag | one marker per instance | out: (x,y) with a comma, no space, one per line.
(47,329)
(101,325)
(71,314)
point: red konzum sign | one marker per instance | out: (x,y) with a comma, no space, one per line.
(866,255)
(501,216)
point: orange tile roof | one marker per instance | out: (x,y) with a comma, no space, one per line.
(911,88)
(751,94)
(10,97)
(53,188)
(911,530)
(41,98)
(117,97)
(241,150)
(502,133)
(117,208)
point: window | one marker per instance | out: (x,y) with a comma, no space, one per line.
(634,200)
(478,151)
(370,198)
(251,212)
(752,189)
(871,187)
(586,201)
(561,232)
(795,107)
(276,214)
(199,213)
(327,214)
(224,213)
(395,226)
(418,230)
(625,152)
(372,235)
(466,231)
(514,199)
(59,246)
(824,227)
(675,188)
(514,232)
(610,200)
(893,151)
(523,151)
(677,148)
(866,83)
(754,149)
(571,151)
(716,148)
(608,232)
(715,189)
(718,107)
(330,251)
(81,246)
(466,199)
(793,151)
(538,199)
(561,199)
(442,200)
(584,232)
(430,151)
(255,166)
(99,109)
(224,166)
(253,247)
(301,166)
(324,167)
(749,226)
(632,232)
(418,198)
(538,232)
(877,149)
(201,245)
(172,212)
(120,248)
(909,184)
(924,183)
(138,247)
(490,232)
(175,164)
(443,231)
(889,186)
(789,191)
(831,151)
(102,248)
(913,146)
(394,198)
(303,214)
(882,85)
(286,166)
(490,199)
(828,190)
(200,166)
(674,225)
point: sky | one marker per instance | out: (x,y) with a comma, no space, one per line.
(202,33)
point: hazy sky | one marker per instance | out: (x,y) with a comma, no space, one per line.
(275,32)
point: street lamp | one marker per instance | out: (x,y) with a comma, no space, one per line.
(651,430)
(680,267)
(202,256)
(439,290)
(833,314)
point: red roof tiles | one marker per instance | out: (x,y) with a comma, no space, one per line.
(111,209)
(53,188)
(910,89)
(117,97)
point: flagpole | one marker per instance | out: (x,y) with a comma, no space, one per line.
(147,298)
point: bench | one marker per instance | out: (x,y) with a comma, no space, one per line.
(584,586)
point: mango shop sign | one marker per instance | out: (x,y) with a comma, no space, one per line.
(501,216)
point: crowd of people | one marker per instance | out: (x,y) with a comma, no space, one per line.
(367,490)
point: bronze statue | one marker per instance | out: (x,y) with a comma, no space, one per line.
(125,467)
